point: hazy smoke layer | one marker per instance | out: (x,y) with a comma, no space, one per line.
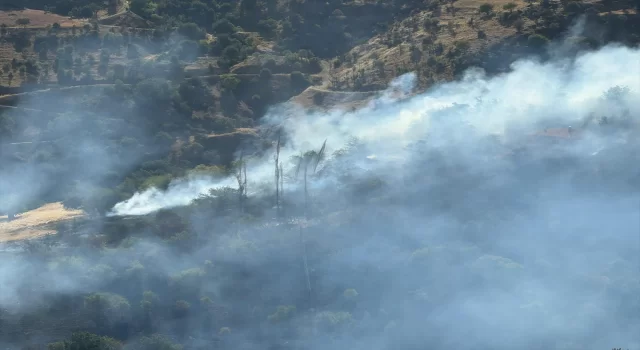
(440,222)
(533,95)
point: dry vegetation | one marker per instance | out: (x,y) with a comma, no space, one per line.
(460,26)
(317,98)
(36,223)
(38,19)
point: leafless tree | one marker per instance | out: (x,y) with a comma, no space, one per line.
(277,175)
(305,161)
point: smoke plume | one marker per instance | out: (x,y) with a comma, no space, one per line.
(531,97)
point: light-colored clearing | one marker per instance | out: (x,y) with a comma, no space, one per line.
(35,223)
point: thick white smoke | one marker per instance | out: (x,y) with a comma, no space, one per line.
(179,193)
(532,95)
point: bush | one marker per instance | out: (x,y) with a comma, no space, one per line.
(223,26)
(333,321)
(23,21)
(191,31)
(318,98)
(350,293)
(229,82)
(84,340)
(298,80)
(154,342)
(537,41)
(486,8)
(283,313)
(265,74)
(270,64)
(509,6)
(314,65)
(181,309)
(518,24)
(267,28)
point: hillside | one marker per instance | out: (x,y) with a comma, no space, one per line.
(439,43)
(213,174)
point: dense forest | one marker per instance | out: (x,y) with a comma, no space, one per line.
(434,206)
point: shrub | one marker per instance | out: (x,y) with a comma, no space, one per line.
(350,293)
(298,80)
(107,307)
(318,98)
(509,6)
(486,8)
(181,309)
(23,21)
(270,64)
(283,313)
(518,24)
(268,27)
(223,26)
(229,82)
(333,321)
(155,342)
(265,74)
(537,41)
(191,31)
(84,340)
(314,64)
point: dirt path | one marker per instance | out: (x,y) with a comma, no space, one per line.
(36,223)
(364,93)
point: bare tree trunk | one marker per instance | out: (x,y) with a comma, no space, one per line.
(277,190)
(306,193)
(241,177)
(305,263)
(277,158)
(282,190)
(244,170)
